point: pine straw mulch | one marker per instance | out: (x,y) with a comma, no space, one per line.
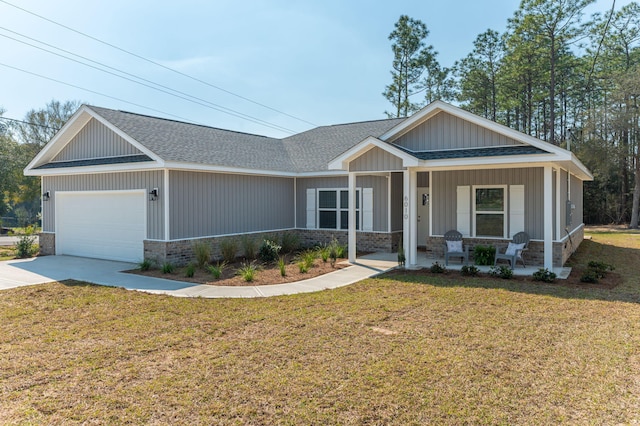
(267,274)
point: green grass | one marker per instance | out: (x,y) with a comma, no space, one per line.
(415,349)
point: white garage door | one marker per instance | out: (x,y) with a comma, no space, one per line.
(103,224)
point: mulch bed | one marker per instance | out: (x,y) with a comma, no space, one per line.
(611,280)
(266,275)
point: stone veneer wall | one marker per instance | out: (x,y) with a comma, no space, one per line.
(180,252)
(534,256)
(47,243)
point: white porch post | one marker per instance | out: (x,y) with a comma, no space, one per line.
(548,217)
(406,224)
(413,218)
(352,217)
(558,215)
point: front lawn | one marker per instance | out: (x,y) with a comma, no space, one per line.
(408,350)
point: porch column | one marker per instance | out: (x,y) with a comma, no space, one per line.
(558,215)
(413,217)
(406,223)
(548,217)
(352,217)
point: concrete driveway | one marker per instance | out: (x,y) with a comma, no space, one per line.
(39,270)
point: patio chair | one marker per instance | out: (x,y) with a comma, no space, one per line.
(454,248)
(514,251)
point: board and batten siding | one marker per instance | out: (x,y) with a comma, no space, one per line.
(377,183)
(577,198)
(210,204)
(376,160)
(95,140)
(444,195)
(397,188)
(445,131)
(108,182)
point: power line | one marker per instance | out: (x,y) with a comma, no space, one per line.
(97,93)
(29,123)
(152,85)
(158,64)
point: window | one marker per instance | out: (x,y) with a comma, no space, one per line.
(489,211)
(333,209)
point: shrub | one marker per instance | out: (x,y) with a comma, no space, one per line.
(228,250)
(437,268)
(190,270)
(589,276)
(544,275)
(167,268)
(596,271)
(308,257)
(249,247)
(324,252)
(282,266)
(290,242)
(26,247)
(502,271)
(269,251)
(248,271)
(145,265)
(337,251)
(484,255)
(469,271)
(216,270)
(402,259)
(202,251)
(303,267)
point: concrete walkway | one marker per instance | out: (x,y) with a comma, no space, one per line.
(39,270)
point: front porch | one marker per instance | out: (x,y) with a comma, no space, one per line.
(422,261)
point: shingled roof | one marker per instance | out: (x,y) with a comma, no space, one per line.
(177,141)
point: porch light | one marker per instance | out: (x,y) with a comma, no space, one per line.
(153,194)
(46,196)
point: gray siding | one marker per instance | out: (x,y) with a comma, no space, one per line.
(209,204)
(396,200)
(95,140)
(443,195)
(444,131)
(577,198)
(380,196)
(107,182)
(376,159)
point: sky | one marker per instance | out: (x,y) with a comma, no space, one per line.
(274,67)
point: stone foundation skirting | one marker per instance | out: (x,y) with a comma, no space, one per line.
(180,252)
(47,242)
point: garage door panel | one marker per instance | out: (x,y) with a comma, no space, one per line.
(107,225)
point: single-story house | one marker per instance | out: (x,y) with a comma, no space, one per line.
(124,186)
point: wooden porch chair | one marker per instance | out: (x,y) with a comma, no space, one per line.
(454,248)
(514,251)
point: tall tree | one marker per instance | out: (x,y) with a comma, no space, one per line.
(411,57)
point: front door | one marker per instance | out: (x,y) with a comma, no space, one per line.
(423,216)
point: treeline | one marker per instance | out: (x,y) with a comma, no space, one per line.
(20,141)
(556,74)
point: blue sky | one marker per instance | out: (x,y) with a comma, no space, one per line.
(325,62)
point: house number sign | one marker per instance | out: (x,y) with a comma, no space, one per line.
(406,207)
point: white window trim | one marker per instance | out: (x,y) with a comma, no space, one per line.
(338,208)
(504,211)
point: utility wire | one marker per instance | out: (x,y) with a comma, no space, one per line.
(29,123)
(158,64)
(98,93)
(152,85)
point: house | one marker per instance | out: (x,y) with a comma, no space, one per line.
(124,186)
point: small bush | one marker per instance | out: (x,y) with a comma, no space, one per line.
(167,268)
(228,250)
(290,242)
(324,252)
(597,270)
(544,275)
(437,268)
(248,271)
(26,247)
(469,271)
(589,276)
(216,270)
(303,267)
(484,255)
(249,247)
(337,251)
(402,259)
(190,270)
(503,272)
(282,266)
(269,251)
(202,251)
(145,265)
(308,257)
